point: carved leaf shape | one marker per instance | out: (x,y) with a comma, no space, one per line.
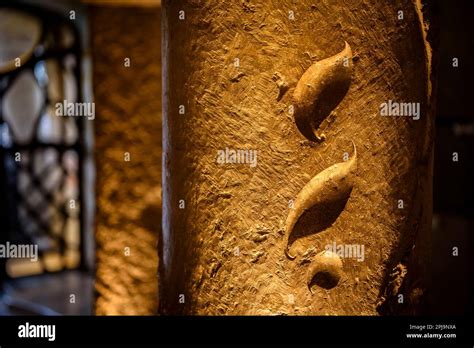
(321,201)
(320,90)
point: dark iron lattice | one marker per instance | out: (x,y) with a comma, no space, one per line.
(32,211)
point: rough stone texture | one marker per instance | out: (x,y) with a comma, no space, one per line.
(236,206)
(128,119)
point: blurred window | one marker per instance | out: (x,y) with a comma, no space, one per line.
(41,153)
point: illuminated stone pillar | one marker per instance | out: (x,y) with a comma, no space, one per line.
(231,69)
(127,89)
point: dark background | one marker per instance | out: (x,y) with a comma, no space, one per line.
(453,189)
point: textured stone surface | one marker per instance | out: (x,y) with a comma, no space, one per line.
(128,119)
(225,250)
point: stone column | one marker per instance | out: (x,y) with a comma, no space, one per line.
(127,90)
(231,69)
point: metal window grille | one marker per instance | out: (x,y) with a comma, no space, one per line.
(41,153)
